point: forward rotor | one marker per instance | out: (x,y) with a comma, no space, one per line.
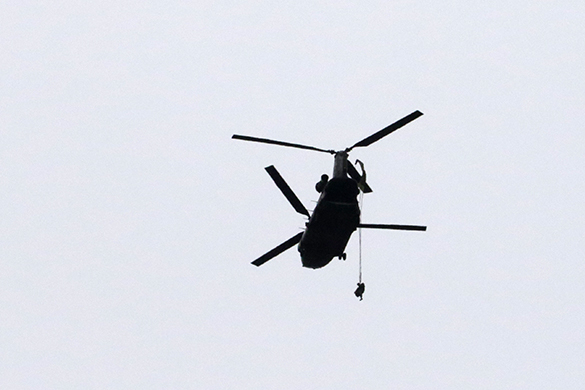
(363,143)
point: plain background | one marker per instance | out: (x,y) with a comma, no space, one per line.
(128,217)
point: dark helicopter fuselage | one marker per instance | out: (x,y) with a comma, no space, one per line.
(335,218)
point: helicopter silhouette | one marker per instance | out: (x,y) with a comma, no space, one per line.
(337,214)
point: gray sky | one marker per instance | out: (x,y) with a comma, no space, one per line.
(129,217)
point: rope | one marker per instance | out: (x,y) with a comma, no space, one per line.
(360,236)
(359,292)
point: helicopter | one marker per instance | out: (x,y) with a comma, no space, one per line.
(337,213)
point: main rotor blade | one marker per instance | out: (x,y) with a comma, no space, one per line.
(281,143)
(392,227)
(354,174)
(288,193)
(387,130)
(278,250)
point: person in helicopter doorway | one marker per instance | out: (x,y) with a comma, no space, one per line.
(320,186)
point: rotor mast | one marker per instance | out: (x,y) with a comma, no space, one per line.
(340,164)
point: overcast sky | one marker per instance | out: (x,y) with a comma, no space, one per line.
(128,217)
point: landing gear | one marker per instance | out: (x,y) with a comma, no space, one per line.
(343,256)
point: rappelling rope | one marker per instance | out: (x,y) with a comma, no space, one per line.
(359,292)
(362,186)
(360,236)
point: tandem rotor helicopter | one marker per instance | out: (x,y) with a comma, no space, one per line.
(337,214)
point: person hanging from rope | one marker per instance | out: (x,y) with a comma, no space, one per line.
(359,292)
